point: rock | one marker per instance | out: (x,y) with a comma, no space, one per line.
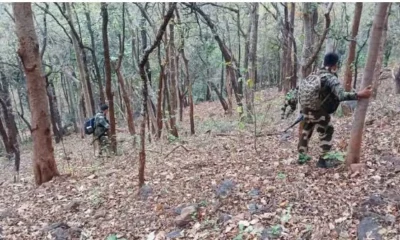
(368,227)
(186,216)
(225,188)
(174,234)
(99,214)
(223,218)
(374,200)
(145,192)
(390,219)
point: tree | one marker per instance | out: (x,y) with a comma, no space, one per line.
(354,148)
(378,66)
(143,76)
(107,63)
(44,164)
(397,82)
(352,46)
(121,80)
(310,47)
(251,82)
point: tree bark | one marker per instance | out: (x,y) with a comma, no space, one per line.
(107,63)
(354,148)
(44,164)
(252,59)
(220,97)
(310,48)
(378,66)
(397,82)
(95,63)
(173,81)
(54,113)
(142,64)
(352,46)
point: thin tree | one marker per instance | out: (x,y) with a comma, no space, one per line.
(354,148)
(397,82)
(121,80)
(44,165)
(107,63)
(352,46)
(379,62)
(142,64)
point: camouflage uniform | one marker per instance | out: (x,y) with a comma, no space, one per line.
(100,132)
(332,93)
(290,100)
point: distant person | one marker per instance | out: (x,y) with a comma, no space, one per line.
(320,96)
(101,130)
(291,100)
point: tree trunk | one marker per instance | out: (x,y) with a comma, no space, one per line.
(354,149)
(220,97)
(57,129)
(95,63)
(82,62)
(293,41)
(378,66)
(44,164)
(142,64)
(252,59)
(107,63)
(352,47)
(310,48)
(397,82)
(173,81)
(159,101)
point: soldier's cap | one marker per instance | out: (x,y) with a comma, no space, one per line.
(103,107)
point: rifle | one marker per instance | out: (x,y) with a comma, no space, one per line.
(299,119)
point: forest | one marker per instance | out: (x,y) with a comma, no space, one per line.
(196,146)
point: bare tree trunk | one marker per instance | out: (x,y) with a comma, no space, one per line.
(142,64)
(173,81)
(293,41)
(44,164)
(252,59)
(57,129)
(95,63)
(354,149)
(310,48)
(352,46)
(107,63)
(378,66)
(159,101)
(220,97)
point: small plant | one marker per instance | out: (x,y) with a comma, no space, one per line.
(281,175)
(286,216)
(276,230)
(303,158)
(334,156)
(172,138)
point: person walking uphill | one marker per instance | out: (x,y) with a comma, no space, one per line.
(320,95)
(101,129)
(290,100)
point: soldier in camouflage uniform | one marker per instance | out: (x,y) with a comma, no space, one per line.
(290,100)
(332,93)
(101,126)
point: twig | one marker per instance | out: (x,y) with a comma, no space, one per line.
(175,149)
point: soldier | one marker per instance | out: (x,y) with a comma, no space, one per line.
(101,129)
(330,93)
(290,100)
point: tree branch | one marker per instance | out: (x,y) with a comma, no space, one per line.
(322,39)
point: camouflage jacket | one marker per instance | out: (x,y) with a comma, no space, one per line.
(332,92)
(291,96)
(101,125)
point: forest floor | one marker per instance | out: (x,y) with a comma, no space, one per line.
(217,186)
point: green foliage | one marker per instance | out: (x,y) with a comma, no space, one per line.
(171,138)
(335,155)
(281,175)
(303,158)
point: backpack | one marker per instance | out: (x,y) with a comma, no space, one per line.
(89,126)
(309,92)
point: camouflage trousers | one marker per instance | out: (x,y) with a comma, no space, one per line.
(321,122)
(103,145)
(292,105)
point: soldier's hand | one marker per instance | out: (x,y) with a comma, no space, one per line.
(365,93)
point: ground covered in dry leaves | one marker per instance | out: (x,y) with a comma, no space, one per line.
(215,185)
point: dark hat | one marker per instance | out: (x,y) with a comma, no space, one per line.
(103,107)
